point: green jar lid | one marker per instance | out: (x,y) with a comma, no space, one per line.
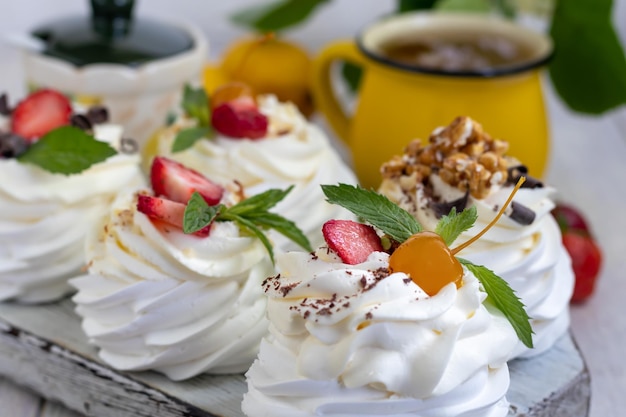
(111,35)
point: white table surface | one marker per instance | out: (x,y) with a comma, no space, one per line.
(587,165)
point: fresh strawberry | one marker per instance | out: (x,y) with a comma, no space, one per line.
(39,113)
(240,118)
(586,262)
(352,241)
(569,218)
(177,182)
(166,211)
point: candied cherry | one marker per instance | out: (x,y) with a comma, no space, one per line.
(429,262)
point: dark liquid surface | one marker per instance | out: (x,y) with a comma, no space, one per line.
(463,53)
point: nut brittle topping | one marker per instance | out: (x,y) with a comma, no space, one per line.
(464,156)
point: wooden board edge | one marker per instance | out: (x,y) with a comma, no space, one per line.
(79,383)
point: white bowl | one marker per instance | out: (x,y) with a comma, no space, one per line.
(139,98)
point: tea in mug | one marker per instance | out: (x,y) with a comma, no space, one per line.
(461,53)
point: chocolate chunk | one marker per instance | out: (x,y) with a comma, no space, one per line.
(81,121)
(517,170)
(98,114)
(5,110)
(443,208)
(521,214)
(521,171)
(128,145)
(12,145)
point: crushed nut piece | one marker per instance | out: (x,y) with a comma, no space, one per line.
(463,154)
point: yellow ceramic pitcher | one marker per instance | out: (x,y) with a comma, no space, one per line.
(397,102)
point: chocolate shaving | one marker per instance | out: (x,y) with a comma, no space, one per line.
(521,214)
(443,208)
(521,171)
(128,145)
(12,145)
(5,110)
(81,121)
(98,114)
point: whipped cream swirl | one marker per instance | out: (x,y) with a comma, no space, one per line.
(352,340)
(155,298)
(45,216)
(531,258)
(294,152)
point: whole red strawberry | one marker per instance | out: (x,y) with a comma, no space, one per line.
(586,262)
(569,218)
(579,243)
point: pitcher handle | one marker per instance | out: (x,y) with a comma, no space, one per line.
(323,93)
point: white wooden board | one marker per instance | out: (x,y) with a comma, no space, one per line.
(42,347)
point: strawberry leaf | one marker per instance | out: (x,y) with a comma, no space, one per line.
(504,299)
(375,209)
(187,137)
(452,225)
(198,214)
(67,150)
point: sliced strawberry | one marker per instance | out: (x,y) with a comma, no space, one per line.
(39,113)
(166,211)
(352,241)
(177,182)
(240,118)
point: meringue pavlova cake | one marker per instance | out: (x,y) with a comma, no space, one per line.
(355,330)
(263,144)
(463,166)
(174,282)
(60,171)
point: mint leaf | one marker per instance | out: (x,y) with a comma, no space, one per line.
(283,226)
(251,227)
(198,214)
(452,225)
(276,16)
(196,104)
(375,209)
(589,67)
(251,214)
(67,150)
(504,299)
(260,203)
(186,138)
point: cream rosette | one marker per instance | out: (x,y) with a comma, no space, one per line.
(294,152)
(158,299)
(524,247)
(354,340)
(45,216)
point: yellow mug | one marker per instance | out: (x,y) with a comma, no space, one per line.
(398,102)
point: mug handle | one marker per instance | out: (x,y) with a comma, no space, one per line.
(323,94)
